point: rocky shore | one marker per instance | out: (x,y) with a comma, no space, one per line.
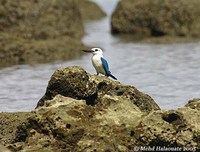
(84,112)
(41,31)
(164,20)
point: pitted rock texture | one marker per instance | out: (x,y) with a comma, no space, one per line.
(76,83)
(83,112)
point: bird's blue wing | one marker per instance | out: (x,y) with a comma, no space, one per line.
(105,66)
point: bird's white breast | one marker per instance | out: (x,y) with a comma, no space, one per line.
(96,61)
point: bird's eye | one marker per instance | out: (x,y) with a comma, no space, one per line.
(96,49)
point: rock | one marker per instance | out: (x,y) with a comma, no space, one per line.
(40,31)
(4,149)
(146,18)
(9,123)
(71,82)
(83,112)
(64,123)
(76,83)
(90,11)
(194,104)
(37,31)
(172,128)
(80,111)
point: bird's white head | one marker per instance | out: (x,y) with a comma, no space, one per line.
(95,51)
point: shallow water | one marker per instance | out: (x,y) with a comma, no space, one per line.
(168,73)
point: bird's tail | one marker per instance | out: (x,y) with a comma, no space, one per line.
(112,76)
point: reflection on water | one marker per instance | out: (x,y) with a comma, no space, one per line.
(169,73)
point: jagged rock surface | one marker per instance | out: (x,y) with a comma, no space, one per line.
(83,112)
(9,123)
(76,83)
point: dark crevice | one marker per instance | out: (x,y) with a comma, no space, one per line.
(101,85)
(68,126)
(160,142)
(132,133)
(172,117)
(157,33)
(120,93)
(90,100)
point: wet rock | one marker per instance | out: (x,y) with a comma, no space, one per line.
(41,31)
(158,18)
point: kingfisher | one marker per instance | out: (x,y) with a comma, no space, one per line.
(100,64)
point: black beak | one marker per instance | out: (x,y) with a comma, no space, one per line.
(88,51)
